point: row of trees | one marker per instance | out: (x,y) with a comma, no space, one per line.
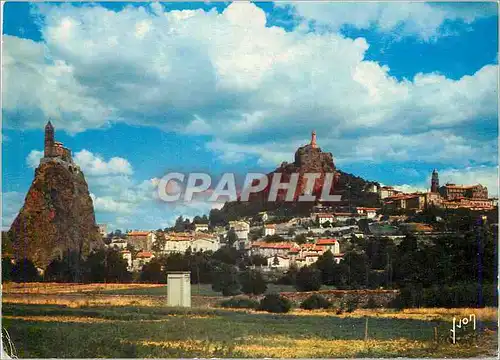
(99,266)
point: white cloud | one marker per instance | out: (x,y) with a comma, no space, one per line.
(484,175)
(33,158)
(471,175)
(108,204)
(426,21)
(94,165)
(237,81)
(12,202)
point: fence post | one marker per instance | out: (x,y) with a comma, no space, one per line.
(435,334)
(366,328)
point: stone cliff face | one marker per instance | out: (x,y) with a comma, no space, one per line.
(57,215)
(308,159)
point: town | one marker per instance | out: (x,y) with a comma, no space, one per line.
(300,241)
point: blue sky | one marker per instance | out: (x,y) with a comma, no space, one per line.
(393,90)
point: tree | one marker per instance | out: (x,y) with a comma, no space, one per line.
(274,238)
(252,282)
(231,237)
(6,269)
(326,264)
(225,280)
(227,255)
(308,279)
(327,224)
(106,266)
(24,271)
(152,273)
(300,239)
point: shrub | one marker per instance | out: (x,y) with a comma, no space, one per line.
(371,303)
(240,303)
(315,302)
(308,279)
(351,305)
(252,282)
(24,271)
(275,303)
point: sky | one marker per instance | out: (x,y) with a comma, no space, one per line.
(137,90)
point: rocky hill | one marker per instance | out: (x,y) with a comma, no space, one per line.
(57,216)
(308,159)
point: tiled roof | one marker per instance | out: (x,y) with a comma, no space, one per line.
(138,233)
(144,254)
(326,241)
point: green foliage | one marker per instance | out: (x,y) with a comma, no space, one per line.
(240,303)
(275,303)
(152,273)
(24,271)
(225,280)
(227,254)
(106,266)
(252,282)
(290,276)
(308,279)
(274,238)
(351,304)
(6,269)
(315,301)
(300,239)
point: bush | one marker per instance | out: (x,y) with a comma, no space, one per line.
(371,303)
(24,271)
(240,303)
(351,305)
(252,282)
(315,302)
(275,303)
(308,279)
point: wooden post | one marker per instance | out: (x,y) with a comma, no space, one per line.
(435,334)
(366,328)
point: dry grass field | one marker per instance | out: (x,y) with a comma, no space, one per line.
(48,320)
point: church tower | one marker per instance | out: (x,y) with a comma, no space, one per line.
(435,182)
(313,140)
(49,140)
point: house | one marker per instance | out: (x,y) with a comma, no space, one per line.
(370,213)
(241,229)
(263,216)
(269,229)
(117,243)
(127,256)
(205,242)
(329,244)
(271,249)
(200,227)
(387,191)
(141,240)
(278,262)
(180,242)
(142,258)
(324,217)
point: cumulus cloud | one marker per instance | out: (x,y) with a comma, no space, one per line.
(11,204)
(33,158)
(427,21)
(94,165)
(197,72)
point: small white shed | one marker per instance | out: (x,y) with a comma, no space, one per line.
(179,288)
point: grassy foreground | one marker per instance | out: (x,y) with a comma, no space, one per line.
(146,328)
